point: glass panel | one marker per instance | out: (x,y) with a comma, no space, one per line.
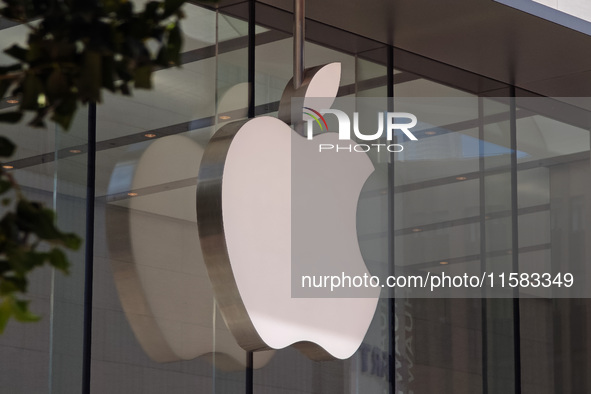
(67,304)
(553,237)
(273,71)
(372,367)
(153,325)
(50,166)
(371,76)
(232,89)
(496,210)
(25,349)
(440,342)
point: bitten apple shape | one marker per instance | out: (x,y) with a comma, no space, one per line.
(259,180)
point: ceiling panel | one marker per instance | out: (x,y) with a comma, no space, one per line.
(479,36)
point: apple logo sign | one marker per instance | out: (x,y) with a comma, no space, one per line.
(267,201)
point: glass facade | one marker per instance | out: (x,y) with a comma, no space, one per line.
(502,184)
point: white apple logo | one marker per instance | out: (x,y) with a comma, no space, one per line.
(259,181)
(158,267)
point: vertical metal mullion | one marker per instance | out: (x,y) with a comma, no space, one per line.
(515,242)
(89,249)
(391,299)
(249,381)
(249,378)
(482,202)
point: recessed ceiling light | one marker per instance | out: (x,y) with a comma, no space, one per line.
(75,151)
(7,167)
(225,117)
(461,178)
(12,101)
(430,132)
(132,194)
(149,135)
(443,263)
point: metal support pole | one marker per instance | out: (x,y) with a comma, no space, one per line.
(483,262)
(249,383)
(89,252)
(299,27)
(515,241)
(391,227)
(249,373)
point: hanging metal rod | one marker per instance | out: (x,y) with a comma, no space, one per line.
(299,26)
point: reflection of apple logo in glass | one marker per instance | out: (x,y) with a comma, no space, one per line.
(250,195)
(157,265)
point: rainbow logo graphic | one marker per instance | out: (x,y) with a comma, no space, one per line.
(316,118)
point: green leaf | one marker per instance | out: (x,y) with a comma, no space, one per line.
(5,186)
(11,117)
(32,89)
(7,286)
(21,11)
(151,9)
(32,259)
(64,113)
(143,77)
(6,83)
(39,49)
(5,266)
(57,85)
(21,312)
(64,120)
(71,241)
(110,6)
(6,146)
(125,10)
(4,86)
(125,89)
(90,81)
(33,217)
(11,284)
(5,312)
(58,259)
(123,72)
(17,52)
(13,67)
(174,45)
(38,121)
(108,73)
(171,6)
